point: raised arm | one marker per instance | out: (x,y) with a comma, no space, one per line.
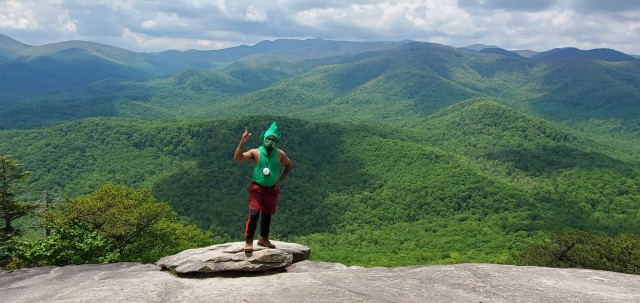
(239,155)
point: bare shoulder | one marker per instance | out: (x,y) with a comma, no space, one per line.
(281,153)
(282,156)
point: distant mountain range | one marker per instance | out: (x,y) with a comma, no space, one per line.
(75,79)
(76,63)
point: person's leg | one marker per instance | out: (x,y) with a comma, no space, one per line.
(270,203)
(255,205)
(265,224)
(252,223)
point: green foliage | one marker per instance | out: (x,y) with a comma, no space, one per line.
(68,245)
(411,154)
(12,178)
(117,212)
(115,223)
(448,240)
(398,85)
(478,180)
(165,238)
(591,89)
(583,249)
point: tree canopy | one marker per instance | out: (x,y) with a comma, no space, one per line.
(114,223)
(12,178)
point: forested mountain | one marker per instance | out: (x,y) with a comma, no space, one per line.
(338,81)
(403,152)
(77,63)
(477,171)
(562,55)
(278,50)
(9,47)
(503,52)
(68,64)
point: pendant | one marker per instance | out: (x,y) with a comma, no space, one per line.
(266,171)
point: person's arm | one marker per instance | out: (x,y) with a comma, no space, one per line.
(239,155)
(286,162)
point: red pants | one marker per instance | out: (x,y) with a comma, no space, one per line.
(262,204)
(264,199)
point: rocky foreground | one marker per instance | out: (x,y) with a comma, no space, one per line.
(308,281)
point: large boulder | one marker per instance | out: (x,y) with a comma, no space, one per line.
(231,257)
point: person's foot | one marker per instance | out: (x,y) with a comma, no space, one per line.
(248,246)
(263,241)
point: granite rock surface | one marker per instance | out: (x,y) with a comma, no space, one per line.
(309,281)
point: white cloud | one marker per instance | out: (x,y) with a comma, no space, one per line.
(243,10)
(254,13)
(147,25)
(164,20)
(17,15)
(507,5)
(67,25)
(152,43)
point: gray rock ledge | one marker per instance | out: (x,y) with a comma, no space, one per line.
(321,282)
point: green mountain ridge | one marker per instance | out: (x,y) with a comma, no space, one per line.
(502,77)
(9,47)
(572,53)
(487,117)
(474,183)
(391,82)
(612,91)
(76,63)
(404,153)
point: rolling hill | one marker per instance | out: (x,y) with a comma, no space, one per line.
(476,170)
(68,64)
(334,81)
(9,47)
(78,63)
(404,153)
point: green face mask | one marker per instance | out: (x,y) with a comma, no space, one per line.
(270,143)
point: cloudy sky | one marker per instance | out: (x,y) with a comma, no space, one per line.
(157,25)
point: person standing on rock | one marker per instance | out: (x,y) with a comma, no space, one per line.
(272,165)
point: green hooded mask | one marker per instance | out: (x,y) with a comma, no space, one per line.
(272,131)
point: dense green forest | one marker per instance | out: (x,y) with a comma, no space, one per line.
(462,188)
(412,154)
